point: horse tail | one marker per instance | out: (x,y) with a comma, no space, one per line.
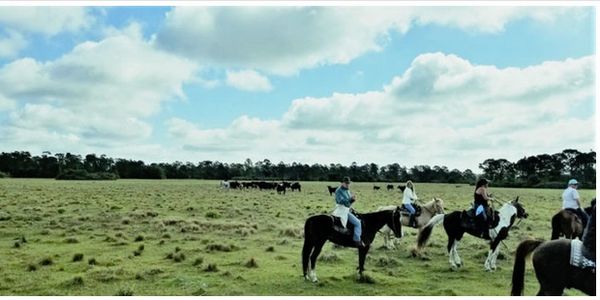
(307,248)
(518,276)
(427,229)
(556,226)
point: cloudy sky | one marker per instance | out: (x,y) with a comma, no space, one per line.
(415,85)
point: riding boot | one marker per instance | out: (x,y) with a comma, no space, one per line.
(412,222)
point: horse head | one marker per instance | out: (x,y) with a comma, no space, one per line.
(521,213)
(439,205)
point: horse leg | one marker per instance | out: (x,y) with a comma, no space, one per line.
(451,242)
(362,254)
(416,251)
(312,274)
(388,241)
(456,256)
(306,251)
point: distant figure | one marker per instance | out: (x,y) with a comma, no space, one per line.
(571,201)
(376,188)
(331,190)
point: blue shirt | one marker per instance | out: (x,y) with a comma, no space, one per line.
(343,196)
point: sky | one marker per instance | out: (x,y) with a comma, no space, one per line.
(447,86)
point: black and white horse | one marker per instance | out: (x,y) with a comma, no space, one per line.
(320,229)
(454,224)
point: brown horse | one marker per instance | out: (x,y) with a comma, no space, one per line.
(554,272)
(566,223)
(428,211)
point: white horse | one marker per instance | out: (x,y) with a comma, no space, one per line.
(455,228)
(428,211)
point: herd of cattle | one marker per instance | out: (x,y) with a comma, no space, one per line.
(280,187)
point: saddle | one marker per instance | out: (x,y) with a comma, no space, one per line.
(470,220)
(405,212)
(348,230)
(575,214)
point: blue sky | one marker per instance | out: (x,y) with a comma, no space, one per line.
(413,85)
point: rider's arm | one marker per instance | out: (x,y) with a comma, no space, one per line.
(576,197)
(342,198)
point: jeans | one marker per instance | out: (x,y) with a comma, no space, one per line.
(357,229)
(481,210)
(410,208)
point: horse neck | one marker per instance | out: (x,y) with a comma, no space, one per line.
(506,212)
(429,208)
(376,220)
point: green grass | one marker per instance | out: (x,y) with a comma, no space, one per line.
(230,242)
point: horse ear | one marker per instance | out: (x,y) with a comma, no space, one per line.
(517,200)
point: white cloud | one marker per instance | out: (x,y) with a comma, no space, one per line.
(443,110)
(99,93)
(11,44)
(284,40)
(248,80)
(46,20)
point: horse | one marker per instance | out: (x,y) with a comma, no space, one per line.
(566,223)
(553,269)
(457,223)
(331,190)
(319,229)
(428,211)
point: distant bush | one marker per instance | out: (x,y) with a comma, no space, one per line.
(80,174)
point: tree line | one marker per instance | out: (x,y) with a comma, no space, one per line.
(541,170)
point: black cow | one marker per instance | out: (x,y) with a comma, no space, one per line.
(331,190)
(376,188)
(235,185)
(401,188)
(296,186)
(267,185)
(281,188)
(390,187)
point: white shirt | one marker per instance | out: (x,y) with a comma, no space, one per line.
(409,196)
(570,197)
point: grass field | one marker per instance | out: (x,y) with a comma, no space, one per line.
(187,237)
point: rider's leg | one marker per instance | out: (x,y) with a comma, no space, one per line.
(412,212)
(357,227)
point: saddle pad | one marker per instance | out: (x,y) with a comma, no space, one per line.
(577,259)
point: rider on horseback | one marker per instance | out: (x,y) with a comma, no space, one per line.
(343,200)
(481,203)
(571,201)
(407,202)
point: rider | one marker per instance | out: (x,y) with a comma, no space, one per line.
(409,196)
(343,200)
(481,201)
(571,201)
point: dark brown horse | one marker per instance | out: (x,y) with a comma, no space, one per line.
(551,261)
(566,223)
(320,229)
